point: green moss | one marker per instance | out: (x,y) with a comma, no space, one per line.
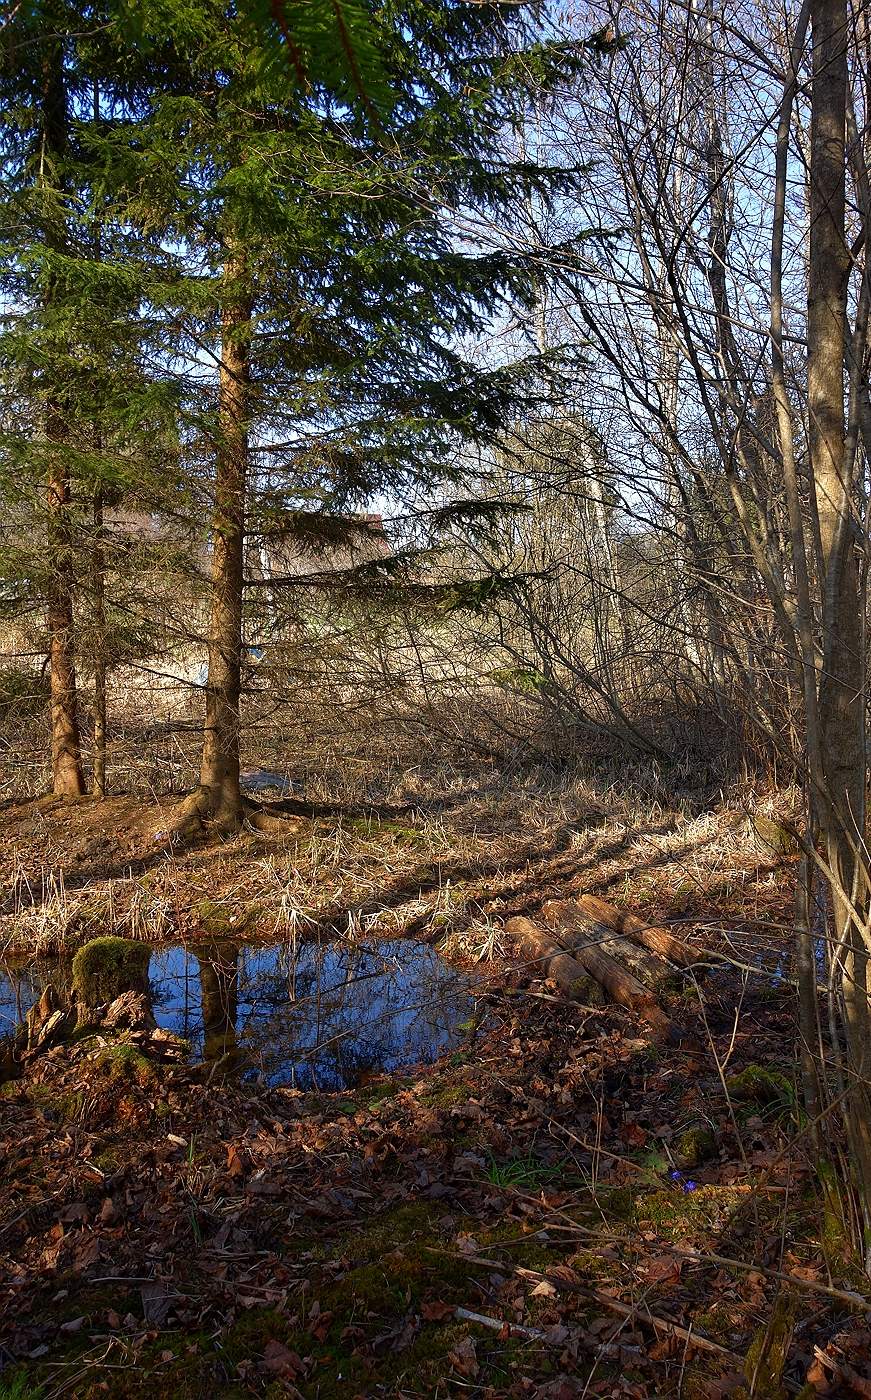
(695,1146)
(107,967)
(400,833)
(678,1212)
(588,991)
(445,1095)
(414,1221)
(766,1358)
(65,1103)
(774,835)
(126,1062)
(377,1093)
(224,920)
(834,1236)
(106,1160)
(618,1201)
(761,1086)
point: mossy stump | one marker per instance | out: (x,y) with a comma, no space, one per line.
(694,1147)
(762,1086)
(107,967)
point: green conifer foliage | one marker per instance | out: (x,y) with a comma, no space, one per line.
(282,209)
(85,421)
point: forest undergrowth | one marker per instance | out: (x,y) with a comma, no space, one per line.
(560,1207)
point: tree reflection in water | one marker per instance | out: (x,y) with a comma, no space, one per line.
(219,998)
(314,1015)
(319,1016)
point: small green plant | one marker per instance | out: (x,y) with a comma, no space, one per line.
(195,1227)
(524,1171)
(17,1387)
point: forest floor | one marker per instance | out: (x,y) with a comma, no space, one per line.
(622,1218)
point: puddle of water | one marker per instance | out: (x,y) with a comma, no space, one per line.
(266,780)
(317,1016)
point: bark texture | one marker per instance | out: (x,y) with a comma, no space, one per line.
(66,757)
(841,784)
(220,792)
(66,754)
(100,667)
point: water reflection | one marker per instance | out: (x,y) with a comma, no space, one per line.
(219,998)
(317,1016)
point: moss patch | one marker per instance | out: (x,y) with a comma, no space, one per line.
(765,1087)
(766,1357)
(126,1062)
(105,968)
(695,1146)
(679,1213)
(226,920)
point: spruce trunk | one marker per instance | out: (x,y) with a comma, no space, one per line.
(219,775)
(66,755)
(100,668)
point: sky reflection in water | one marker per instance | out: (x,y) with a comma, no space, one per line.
(317,1016)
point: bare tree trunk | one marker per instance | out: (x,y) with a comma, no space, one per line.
(220,792)
(66,756)
(841,690)
(99,586)
(66,760)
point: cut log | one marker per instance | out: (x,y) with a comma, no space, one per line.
(656,939)
(541,948)
(567,966)
(576,929)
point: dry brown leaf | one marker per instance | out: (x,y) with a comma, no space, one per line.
(464,1358)
(279,1360)
(436,1312)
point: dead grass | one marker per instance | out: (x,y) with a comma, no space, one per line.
(446,855)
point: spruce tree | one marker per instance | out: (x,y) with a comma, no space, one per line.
(324,266)
(87,415)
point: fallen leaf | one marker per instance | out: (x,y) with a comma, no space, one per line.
(235,1161)
(663,1268)
(464,1358)
(279,1360)
(436,1312)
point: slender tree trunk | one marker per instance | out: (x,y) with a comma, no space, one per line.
(220,792)
(66,756)
(841,691)
(66,760)
(99,586)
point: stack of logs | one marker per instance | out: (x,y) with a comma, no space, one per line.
(574,940)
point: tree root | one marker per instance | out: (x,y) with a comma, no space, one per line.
(197,815)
